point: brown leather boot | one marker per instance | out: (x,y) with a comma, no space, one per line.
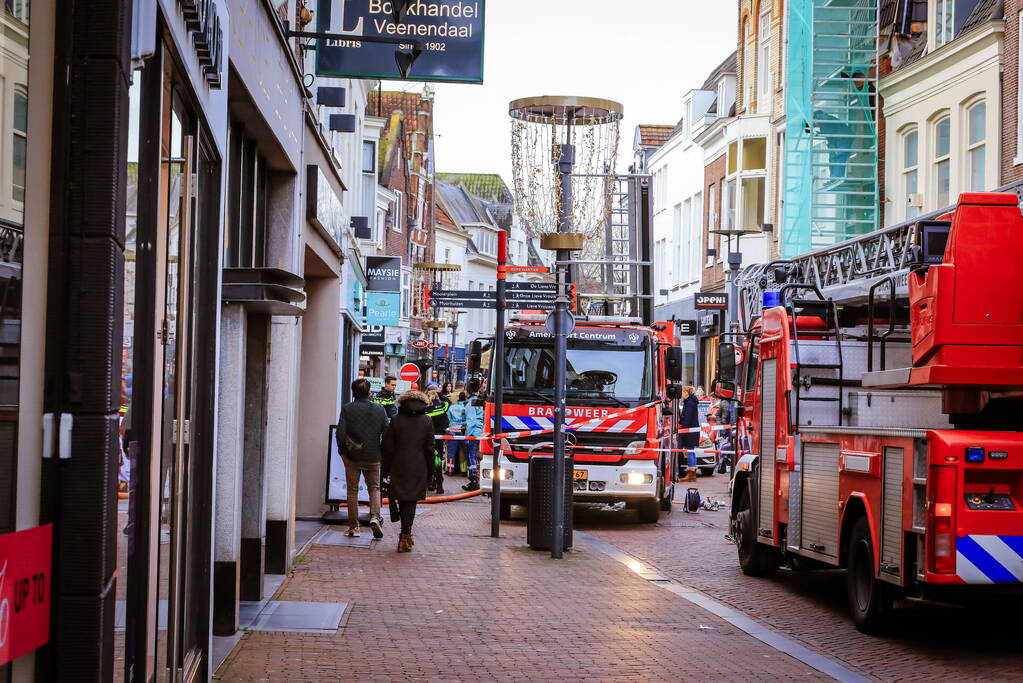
(404,543)
(690,474)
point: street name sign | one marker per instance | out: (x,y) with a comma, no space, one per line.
(710,300)
(449,33)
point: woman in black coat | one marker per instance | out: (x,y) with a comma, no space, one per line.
(690,418)
(408,458)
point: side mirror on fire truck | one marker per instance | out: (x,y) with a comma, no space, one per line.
(472,364)
(726,362)
(673,361)
(725,390)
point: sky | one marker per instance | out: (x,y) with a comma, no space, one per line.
(644,54)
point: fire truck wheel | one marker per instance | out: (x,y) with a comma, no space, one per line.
(870,600)
(666,499)
(505,509)
(649,511)
(755,559)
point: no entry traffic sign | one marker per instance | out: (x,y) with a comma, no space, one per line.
(409,372)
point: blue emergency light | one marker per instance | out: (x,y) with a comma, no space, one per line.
(772,299)
(974,454)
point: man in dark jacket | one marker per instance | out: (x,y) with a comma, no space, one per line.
(408,458)
(360,433)
(386,397)
(689,439)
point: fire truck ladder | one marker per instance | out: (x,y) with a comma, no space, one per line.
(616,267)
(845,271)
(821,356)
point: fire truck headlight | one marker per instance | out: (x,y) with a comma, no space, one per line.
(502,472)
(635,447)
(636,478)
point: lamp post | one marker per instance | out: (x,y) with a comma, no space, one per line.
(454,345)
(734,263)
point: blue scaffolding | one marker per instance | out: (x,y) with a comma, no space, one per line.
(831,185)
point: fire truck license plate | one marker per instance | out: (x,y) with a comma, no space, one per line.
(580,474)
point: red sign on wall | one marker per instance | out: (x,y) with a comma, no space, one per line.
(25,568)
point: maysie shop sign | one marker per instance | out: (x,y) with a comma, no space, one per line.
(449,32)
(25,567)
(203,21)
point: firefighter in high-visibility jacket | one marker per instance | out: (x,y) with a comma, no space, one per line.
(438,412)
(386,397)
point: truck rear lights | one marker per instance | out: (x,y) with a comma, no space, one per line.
(941,520)
(974,454)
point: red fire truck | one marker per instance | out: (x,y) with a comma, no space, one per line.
(620,426)
(881,400)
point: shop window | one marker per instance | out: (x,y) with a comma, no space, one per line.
(19,144)
(975,147)
(942,161)
(245,234)
(910,172)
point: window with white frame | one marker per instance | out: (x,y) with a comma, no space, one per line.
(712,222)
(686,255)
(661,274)
(693,257)
(19,144)
(1019,91)
(764,98)
(369,156)
(943,21)
(396,216)
(677,236)
(728,206)
(976,135)
(942,160)
(911,171)
(406,294)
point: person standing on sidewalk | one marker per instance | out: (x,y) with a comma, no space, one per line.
(438,413)
(456,426)
(385,396)
(689,439)
(473,427)
(360,432)
(408,458)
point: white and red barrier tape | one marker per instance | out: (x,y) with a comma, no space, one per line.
(534,432)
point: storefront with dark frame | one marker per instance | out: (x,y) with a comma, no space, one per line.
(137,183)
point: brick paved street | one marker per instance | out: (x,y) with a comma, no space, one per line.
(466,607)
(925,643)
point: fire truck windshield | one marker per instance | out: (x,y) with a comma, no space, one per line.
(595,370)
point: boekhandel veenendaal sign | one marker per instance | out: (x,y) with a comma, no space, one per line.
(449,31)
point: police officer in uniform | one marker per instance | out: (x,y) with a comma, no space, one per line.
(438,412)
(386,397)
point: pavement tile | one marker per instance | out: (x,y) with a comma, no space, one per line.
(465,607)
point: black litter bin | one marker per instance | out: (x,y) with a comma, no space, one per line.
(540,528)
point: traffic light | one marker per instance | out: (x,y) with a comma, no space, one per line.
(424,367)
